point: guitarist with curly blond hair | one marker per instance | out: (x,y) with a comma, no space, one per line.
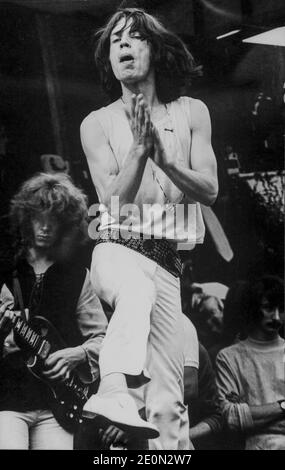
(52,336)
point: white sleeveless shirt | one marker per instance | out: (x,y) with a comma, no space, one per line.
(160,208)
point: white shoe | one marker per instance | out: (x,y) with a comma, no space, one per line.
(120,409)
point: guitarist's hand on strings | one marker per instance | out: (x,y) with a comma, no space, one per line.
(60,363)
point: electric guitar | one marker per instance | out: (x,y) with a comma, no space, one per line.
(38,339)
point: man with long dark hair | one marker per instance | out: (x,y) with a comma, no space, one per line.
(150,150)
(49,221)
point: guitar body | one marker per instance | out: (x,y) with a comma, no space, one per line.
(66,398)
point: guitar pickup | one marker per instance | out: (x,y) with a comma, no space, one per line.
(44,349)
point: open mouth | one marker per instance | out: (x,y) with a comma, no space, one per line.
(126,58)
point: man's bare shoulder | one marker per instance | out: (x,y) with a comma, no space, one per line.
(99,114)
(115,105)
(200,114)
(91,119)
(192,102)
(196,109)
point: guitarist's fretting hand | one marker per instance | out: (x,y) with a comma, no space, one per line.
(60,363)
(5,321)
(6,316)
(5,305)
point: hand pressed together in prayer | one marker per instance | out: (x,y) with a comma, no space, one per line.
(160,156)
(141,126)
(146,136)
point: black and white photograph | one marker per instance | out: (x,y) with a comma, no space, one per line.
(142,175)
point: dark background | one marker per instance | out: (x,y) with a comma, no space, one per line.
(49,83)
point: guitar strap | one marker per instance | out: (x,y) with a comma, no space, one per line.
(17,291)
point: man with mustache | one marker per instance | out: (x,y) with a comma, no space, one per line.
(251,374)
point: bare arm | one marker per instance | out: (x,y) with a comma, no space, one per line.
(199,183)
(108,179)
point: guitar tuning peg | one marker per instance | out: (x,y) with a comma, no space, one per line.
(75,407)
(71,415)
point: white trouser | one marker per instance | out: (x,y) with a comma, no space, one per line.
(34,430)
(144,334)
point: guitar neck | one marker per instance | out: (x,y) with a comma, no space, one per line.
(33,340)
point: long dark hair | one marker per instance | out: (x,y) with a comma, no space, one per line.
(56,195)
(173,64)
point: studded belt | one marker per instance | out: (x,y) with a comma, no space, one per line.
(158,250)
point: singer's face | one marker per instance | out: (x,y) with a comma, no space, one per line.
(130,54)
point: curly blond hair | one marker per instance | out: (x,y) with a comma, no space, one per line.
(57,196)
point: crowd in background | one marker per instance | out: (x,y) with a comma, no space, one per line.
(241,352)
